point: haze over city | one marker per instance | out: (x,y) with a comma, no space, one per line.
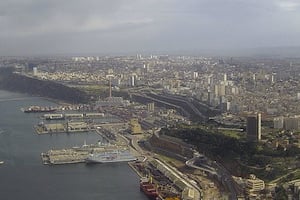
(32,27)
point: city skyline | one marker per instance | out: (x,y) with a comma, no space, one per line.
(32,27)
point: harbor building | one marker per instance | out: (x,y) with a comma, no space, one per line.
(254,127)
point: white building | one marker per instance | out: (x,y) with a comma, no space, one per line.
(35,71)
(195,75)
(132,80)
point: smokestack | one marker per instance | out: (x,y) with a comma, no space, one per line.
(109,87)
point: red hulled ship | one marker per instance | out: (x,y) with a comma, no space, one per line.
(148,188)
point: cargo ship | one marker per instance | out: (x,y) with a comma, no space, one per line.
(148,188)
(110,157)
(37,109)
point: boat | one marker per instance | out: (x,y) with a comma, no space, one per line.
(148,188)
(37,109)
(110,157)
(1,162)
(54,116)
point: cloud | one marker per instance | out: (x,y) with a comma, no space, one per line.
(288,5)
(122,25)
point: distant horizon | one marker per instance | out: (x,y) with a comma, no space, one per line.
(281,51)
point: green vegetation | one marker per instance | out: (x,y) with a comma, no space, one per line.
(94,90)
(49,89)
(102,91)
(280,193)
(240,156)
(234,134)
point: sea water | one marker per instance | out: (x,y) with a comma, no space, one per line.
(23,175)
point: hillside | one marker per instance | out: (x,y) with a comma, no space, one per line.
(18,83)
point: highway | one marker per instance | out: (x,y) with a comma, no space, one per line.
(227,180)
(218,170)
(203,167)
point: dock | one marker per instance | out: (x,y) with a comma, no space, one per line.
(69,127)
(64,156)
(75,154)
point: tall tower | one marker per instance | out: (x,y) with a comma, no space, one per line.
(225,77)
(258,118)
(254,127)
(132,80)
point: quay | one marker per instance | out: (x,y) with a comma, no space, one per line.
(65,156)
(75,154)
(69,127)
(63,116)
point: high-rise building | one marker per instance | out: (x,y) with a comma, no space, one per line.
(150,107)
(216,90)
(278,122)
(222,90)
(35,71)
(291,123)
(225,77)
(298,95)
(254,127)
(132,80)
(195,75)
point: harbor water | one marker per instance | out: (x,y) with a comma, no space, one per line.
(23,176)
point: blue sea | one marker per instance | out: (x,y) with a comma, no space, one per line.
(23,176)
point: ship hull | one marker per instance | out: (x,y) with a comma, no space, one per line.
(148,189)
(89,160)
(110,157)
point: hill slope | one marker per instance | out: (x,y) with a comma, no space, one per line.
(19,83)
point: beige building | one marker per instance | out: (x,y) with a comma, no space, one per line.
(254,184)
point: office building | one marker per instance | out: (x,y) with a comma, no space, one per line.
(132,80)
(292,123)
(278,122)
(35,71)
(254,127)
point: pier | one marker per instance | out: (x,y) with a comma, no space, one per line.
(76,154)
(65,156)
(68,127)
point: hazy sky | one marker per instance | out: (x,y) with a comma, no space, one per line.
(116,26)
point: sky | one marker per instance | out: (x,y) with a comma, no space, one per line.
(40,27)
